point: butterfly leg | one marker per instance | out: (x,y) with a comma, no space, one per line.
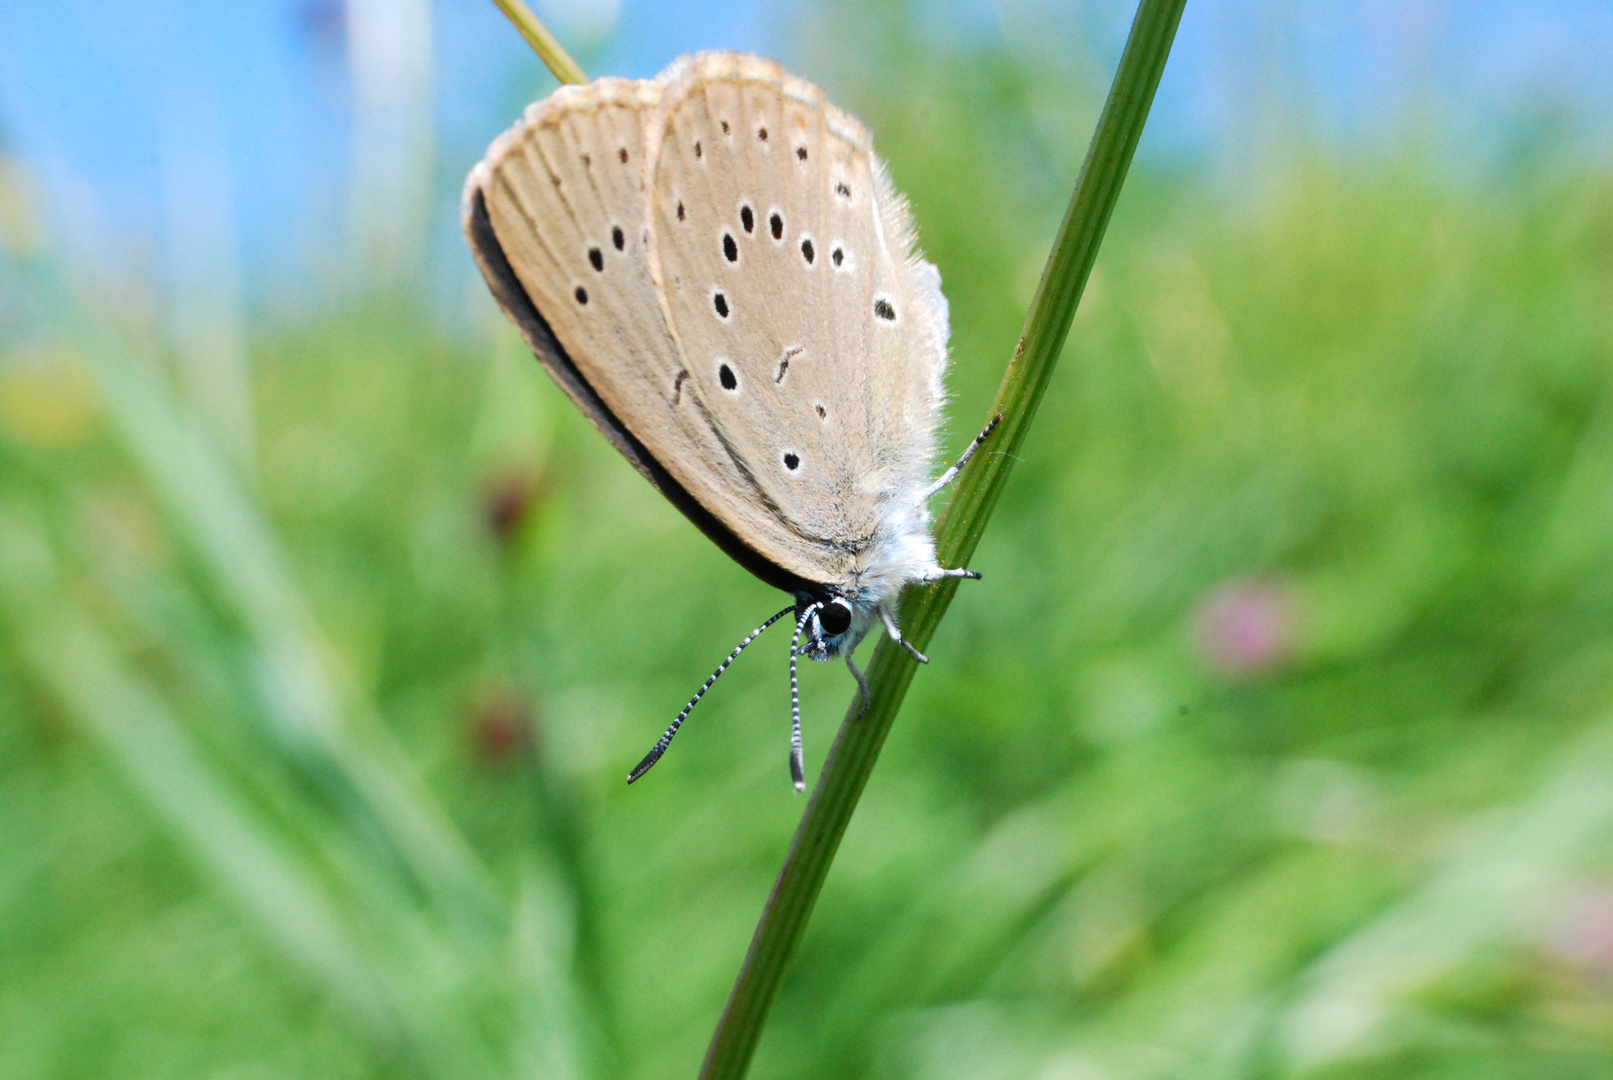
(862,687)
(940,573)
(889,620)
(952,474)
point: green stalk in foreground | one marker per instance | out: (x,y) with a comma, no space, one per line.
(957,532)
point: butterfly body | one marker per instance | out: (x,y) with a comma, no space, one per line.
(715,267)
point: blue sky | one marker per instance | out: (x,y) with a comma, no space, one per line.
(148,118)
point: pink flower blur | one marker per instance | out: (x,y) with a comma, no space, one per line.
(1245,627)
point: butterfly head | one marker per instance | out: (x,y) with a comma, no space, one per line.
(831,624)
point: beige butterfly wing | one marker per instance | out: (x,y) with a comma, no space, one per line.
(557,218)
(564,224)
(815,342)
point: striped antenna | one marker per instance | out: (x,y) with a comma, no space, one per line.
(797,764)
(666,740)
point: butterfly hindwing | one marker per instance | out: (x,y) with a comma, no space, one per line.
(784,255)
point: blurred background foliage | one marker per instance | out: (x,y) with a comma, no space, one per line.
(1276,742)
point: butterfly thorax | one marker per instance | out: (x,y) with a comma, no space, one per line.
(900,552)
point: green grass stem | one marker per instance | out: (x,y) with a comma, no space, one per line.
(316,710)
(74,658)
(543,42)
(957,533)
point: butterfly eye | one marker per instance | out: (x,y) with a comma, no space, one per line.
(835,617)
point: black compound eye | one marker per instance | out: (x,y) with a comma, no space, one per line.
(835,617)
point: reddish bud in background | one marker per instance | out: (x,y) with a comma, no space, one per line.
(509,502)
(1581,934)
(503,725)
(1245,627)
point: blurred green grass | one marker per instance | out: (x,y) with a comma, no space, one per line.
(1276,741)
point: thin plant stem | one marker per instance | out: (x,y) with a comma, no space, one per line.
(545,44)
(958,531)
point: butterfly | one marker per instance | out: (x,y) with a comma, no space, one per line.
(717,270)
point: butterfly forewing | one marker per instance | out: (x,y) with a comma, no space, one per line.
(565,192)
(560,194)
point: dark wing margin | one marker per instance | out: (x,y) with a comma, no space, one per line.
(512,297)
